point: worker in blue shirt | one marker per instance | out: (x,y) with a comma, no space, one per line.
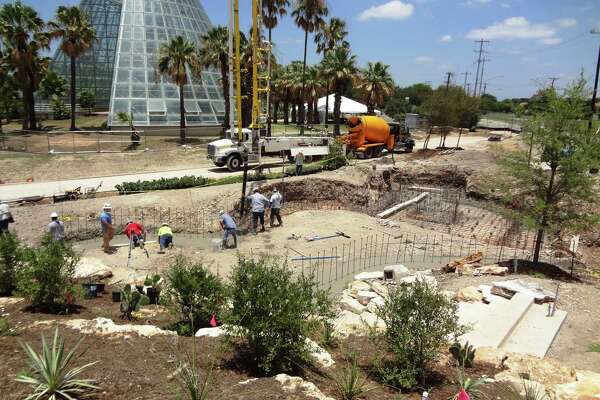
(229,228)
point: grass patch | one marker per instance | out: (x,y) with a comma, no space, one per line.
(594,348)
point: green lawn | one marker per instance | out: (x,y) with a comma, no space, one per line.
(92,122)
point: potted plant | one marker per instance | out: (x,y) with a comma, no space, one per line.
(152,288)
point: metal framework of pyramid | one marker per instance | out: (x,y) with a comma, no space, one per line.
(133,38)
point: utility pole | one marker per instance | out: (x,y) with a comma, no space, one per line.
(468,90)
(448,77)
(484,89)
(553,79)
(482,70)
(479,60)
(466,75)
(595,92)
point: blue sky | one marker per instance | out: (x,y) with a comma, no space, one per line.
(530,40)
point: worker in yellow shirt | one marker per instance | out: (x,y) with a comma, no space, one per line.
(165,237)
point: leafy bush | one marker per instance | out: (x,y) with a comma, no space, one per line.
(276,312)
(51,375)
(5,328)
(419,322)
(194,293)
(46,279)
(163,184)
(87,99)
(11,254)
(131,300)
(464,355)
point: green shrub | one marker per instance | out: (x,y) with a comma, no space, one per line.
(51,375)
(46,279)
(11,254)
(420,320)
(163,184)
(464,355)
(194,293)
(276,312)
(5,328)
(131,300)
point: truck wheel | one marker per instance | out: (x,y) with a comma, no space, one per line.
(220,164)
(234,162)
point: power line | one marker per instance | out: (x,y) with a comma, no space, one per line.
(479,60)
(482,70)
(466,74)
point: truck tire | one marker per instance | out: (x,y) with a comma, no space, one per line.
(234,162)
(220,164)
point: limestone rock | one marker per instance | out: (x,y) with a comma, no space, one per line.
(295,383)
(471,259)
(211,332)
(586,387)
(351,304)
(422,277)
(321,356)
(469,294)
(358,286)
(372,321)
(106,327)
(493,269)
(348,323)
(367,276)
(380,288)
(510,287)
(8,301)
(92,268)
(364,297)
(375,304)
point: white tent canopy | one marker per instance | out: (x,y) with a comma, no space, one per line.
(348,106)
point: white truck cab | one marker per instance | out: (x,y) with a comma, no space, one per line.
(227,152)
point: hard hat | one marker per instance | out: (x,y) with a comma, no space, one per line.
(54,215)
(275,190)
(164,224)
(255,190)
(130,221)
(221,212)
(107,206)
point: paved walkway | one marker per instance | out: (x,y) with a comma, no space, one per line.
(16,191)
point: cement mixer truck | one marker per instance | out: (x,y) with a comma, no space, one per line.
(369,135)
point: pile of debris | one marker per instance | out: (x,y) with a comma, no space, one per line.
(360,302)
(471,265)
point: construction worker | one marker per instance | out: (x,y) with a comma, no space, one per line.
(229,228)
(135,232)
(165,237)
(258,203)
(276,200)
(299,163)
(5,218)
(56,228)
(108,230)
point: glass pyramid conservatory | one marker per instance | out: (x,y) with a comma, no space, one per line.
(120,68)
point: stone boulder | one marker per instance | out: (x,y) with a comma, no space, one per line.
(364,297)
(368,276)
(294,384)
(375,304)
(348,323)
(422,277)
(586,387)
(372,321)
(348,303)
(90,268)
(358,286)
(380,288)
(469,294)
(319,354)
(211,332)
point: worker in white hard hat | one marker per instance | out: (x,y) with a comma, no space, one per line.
(276,202)
(108,230)
(258,204)
(6,218)
(56,228)
(165,237)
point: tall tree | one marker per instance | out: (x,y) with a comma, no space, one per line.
(73,27)
(272,10)
(340,67)
(314,87)
(554,190)
(24,37)
(327,38)
(376,83)
(308,15)
(215,53)
(174,59)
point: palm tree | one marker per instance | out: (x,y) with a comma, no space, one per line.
(314,87)
(174,58)
(376,83)
(340,67)
(327,38)
(308,15)
(73,26)
(272,9)
(215,53)
(23,33)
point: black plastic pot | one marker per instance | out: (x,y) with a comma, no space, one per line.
(140,288)
(152,294)
(116,297)
(90,290)
(100,287)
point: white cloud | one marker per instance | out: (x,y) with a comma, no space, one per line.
(550,41)
(446,38)
(514,28)
(470,3)
(423,60)
(394,9)
(567,22)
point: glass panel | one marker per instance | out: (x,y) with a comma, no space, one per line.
(157,106)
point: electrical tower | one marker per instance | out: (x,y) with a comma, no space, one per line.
(482,70)
(481,52)
(448,79)
(466,75)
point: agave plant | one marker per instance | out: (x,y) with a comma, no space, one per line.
(51,375)
(351,384)
(468,385)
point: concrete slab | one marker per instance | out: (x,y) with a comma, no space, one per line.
(492,323)
(535,332)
